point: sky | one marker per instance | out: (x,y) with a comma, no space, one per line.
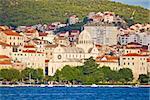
(143,3)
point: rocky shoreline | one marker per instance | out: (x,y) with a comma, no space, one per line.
(42,85)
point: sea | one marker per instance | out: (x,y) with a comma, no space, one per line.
(74,93)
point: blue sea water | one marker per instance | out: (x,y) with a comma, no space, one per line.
(73,93)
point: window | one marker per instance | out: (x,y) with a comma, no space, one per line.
(132,63)
(124,63)
(132,58)
(128,63)
(59,57)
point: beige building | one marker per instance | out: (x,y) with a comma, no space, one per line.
(12,38)
(5,62)
(30,58)
(129,50)
(110,61)
(5,49)
(72,56)
(61,40)
(136,62)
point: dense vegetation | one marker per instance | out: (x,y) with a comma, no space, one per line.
(14,75)
(143,78)
(29,12)
(90,73)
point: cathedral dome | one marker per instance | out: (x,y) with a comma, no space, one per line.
(85,35)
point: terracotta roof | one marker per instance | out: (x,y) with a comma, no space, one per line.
(51,46)
(31,51)
(29,46)
(4,44)
(107,58)
(134,54)
(3,56)
(98,45)
(11,33)
(30,31)
(6,62)
(43,34)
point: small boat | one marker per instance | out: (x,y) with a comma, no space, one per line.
(42,85)
(50,86)
(94,85)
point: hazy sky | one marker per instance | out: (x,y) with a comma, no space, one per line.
(143,3)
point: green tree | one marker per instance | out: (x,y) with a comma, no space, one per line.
(143,78)
(32,73)
(39,74)
(10,74)
(107,73)
(90,66)
(126,74)
(68,73)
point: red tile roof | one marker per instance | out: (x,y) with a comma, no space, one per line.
(30,51)
(43,34)
(29,46)
(3,56)
(30,31)
(51,46)
(108,58)
(4,44)
(11,33)
(134,54)
(6,62)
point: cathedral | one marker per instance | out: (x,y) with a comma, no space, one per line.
(73,55)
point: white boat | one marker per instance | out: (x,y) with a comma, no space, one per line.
(50,85)
(94,85)
(42,85)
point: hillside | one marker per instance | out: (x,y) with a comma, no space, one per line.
(28,12)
